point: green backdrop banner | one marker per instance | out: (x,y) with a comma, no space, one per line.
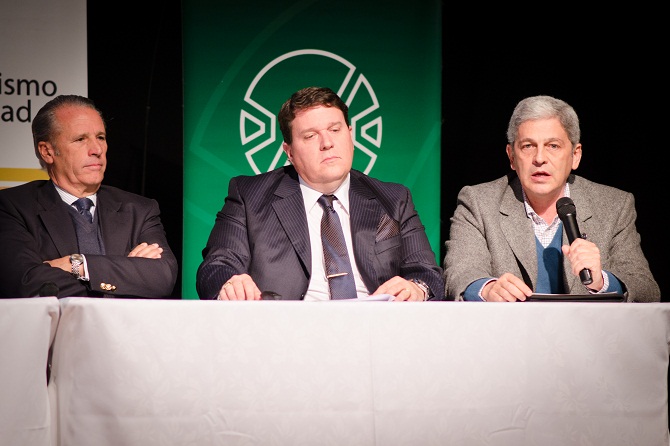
(242,61)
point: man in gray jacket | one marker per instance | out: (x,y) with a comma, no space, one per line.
(507,241)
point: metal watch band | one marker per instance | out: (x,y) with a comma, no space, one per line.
(76,260)
(423,286)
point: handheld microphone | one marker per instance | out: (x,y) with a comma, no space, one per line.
(568,215)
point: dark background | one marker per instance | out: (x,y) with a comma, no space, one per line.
(608,70)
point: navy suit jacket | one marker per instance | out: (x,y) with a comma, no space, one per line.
(35,225)
(262,231)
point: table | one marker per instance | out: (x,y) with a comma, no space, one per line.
(27,329)
(152,372)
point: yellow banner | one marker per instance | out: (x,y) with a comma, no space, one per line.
(10,176)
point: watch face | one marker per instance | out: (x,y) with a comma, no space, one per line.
(76,258)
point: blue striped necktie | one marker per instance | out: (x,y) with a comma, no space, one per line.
(338,268)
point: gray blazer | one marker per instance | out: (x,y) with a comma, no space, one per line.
(262,231)
(490,235)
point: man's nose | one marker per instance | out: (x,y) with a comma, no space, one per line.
(96,148)
(326,141)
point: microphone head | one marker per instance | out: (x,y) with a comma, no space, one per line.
(565,206)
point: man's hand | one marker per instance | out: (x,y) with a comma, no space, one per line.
(508,288)
(62,263)
(402,289)
(585,254)
(239,287)
(147,251)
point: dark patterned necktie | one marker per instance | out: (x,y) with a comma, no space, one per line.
(338,268)
(83,205)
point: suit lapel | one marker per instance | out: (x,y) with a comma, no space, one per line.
(115,224)
(290,209)
(365,213)
(515,225)
(56,219)
(583,205)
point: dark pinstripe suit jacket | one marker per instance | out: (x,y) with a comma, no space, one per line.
(35,225)
(262,230)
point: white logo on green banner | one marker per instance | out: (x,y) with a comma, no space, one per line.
(254,131)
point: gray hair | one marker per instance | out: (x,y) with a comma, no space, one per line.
(543,107)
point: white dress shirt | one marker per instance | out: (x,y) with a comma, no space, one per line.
(318,284)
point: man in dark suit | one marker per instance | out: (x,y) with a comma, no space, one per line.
(114,247)
(267,236)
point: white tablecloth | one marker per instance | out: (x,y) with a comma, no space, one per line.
(148,372)
(27,328)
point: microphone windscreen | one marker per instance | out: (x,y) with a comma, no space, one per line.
(565,206)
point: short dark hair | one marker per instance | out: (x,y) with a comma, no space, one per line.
(307,98)
(44,124)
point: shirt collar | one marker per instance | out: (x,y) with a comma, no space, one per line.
(530,212)
(68,198)
(311,196)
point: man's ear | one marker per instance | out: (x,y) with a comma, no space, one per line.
(47,151)
(287,151)
(510,155)
(576,156)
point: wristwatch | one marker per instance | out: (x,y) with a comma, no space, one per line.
(76,260)
(423,286)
